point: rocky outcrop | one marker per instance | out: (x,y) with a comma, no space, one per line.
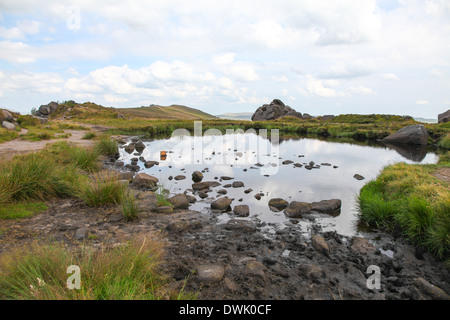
(415,134)
(47,109)
(8,126)
(276,109)
(444,117)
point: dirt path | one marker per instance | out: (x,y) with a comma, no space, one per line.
(18,146)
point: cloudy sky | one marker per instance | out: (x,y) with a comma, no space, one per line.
(318,56)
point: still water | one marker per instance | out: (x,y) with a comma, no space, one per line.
(258,163)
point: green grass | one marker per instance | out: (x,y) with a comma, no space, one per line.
(7,135)
(129,206)
(161,196)
(130,272)
(445,142)
(411,198)
(89,136)
(22,209)
(106,146)
(103,189)
(35,177)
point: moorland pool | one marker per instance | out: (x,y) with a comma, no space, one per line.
(258,163)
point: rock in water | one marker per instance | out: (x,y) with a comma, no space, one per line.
(197,176)
(179,201)
(296,209)
(139,146)
(278,203)
(327,205)
(276,109)
(415,134)
(242,210)
(221,204)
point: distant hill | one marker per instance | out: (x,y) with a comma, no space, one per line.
(88,110)
(236,116)
(426,120)
(166,112)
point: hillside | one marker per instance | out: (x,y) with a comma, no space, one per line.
(166,112)
(71,110)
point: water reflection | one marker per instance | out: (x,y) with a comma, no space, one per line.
(253,160)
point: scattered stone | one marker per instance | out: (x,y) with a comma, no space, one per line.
(81,233)
(205,185)
(358,177)
(298,165)
(139,146)
(287,162)
(296,209)
(248,190)
(143,180)
(163,209)
(320,244)
(257,196)
(278,203)
(125,176)
(191,199)
(180,225)
(179,201)
(237,184)
(222,204)
(362,245)
(133,167)
(129,148)
(228,185)
(222,191)
(326,205)
(240,225)
(434,292)
(116,218)
(180,177)
(149,164)
(202,195)
(197,176)
(210,273)
(242,210)
(326,164)
(255,268)
(226,178)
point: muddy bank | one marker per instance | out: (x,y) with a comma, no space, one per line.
(239,260)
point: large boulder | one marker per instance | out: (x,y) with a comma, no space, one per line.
(415,134)
(8,126)
(276,109)
(47,109)
(7,116)
(444,117)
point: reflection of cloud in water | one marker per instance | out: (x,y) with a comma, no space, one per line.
(289,182)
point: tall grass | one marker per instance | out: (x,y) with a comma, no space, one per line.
(106,146)
(129,206)
(102,189)
(35,176)
(409,197)
(129,272)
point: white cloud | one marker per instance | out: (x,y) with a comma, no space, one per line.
(390,76)
(422,102)
(319,88)
(361,90)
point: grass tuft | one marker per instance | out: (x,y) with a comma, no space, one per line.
(129,272)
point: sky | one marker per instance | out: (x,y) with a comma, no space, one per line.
(317,56)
